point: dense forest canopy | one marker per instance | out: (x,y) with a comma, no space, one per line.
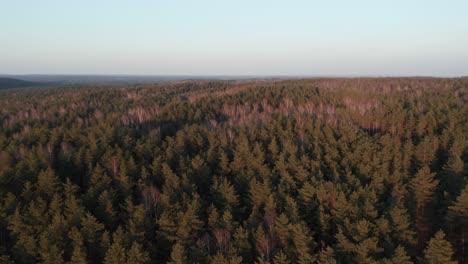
(365,170)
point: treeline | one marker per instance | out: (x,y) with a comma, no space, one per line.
(294,171)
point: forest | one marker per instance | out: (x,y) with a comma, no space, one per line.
(324,170)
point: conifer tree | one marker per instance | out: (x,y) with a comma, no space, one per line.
(454,173)
(400,256)
(116,253)
(178,255)
(458,221)
(137,255)
(423,186)
(5,259)
(281,258)
(326,256)
(49,252)
(400,225)
(78,254)
(47,182)
(439,250)
(425,151)
(302,241)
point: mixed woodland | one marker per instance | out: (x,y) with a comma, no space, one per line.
(337,170)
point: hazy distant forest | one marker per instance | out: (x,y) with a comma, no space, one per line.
(364,170)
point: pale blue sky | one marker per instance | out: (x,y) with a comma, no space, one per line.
(242,37)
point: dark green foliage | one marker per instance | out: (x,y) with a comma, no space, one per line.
(292,171)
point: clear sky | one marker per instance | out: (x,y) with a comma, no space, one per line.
(235,37)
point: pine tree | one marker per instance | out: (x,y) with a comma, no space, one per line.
(223,163)
(326,256)
(400,256)
(178,255)
(423,186)
(281,258)
(5,259)
(242,245)
(25,248)
(358,240)
(116,253)
(49,252)
(91,230)
(425,151)
(73,209)
(439,250)
(78,254)
(136,222)
(281,230)
(105,210)
(302,241)
(454,173)
(457,218)
(264,243)
(189,223)
(136,255)
(123,180)
(401,229)
(47,183)
(220,259)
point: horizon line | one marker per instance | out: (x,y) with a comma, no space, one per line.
(236,75)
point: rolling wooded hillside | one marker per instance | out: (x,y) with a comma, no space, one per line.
(6,83)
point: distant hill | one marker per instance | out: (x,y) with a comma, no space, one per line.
(6,83)
(72,80)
